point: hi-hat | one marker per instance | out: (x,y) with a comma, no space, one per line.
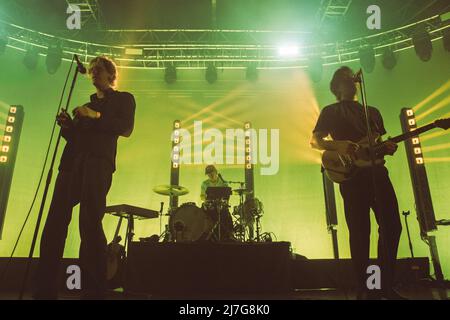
(168,190)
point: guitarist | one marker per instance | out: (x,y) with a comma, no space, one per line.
(345,122)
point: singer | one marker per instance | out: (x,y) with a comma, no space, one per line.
(345,122)
(85,176)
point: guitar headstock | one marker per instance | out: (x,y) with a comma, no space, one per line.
(442,123)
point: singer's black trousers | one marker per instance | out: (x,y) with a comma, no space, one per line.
(360,194)
(87,183)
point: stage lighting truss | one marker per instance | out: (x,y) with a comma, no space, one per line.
(7,143)
(333,10)
(176,144)
(227,49)
(248,146)
(415,146)
(419,179)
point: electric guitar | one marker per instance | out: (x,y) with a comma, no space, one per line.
(340,168)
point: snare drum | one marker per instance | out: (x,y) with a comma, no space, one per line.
(189,223)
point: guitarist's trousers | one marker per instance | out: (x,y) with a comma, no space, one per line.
(87,184)
(360,194)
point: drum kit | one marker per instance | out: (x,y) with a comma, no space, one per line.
(189,223)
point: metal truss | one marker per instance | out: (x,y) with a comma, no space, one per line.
(198,36)
(333,9)
(223,48)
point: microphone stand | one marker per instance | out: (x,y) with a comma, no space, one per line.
(47,186)
(360,79)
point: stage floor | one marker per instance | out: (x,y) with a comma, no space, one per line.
(423,291)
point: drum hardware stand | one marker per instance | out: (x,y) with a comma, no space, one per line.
(119,224)
(160,219)
(130,233)
(219,196)
(168,236)
(406,214)
(258,227)
(217,225)
(240,207)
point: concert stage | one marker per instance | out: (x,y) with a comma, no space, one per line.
(224,149)
(233,269)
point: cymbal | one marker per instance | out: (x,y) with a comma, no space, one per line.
(170,190)
(242,191)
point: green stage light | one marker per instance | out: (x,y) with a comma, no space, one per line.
(31,58)
(3,42)
(251,73)
(54,58)
(446,39)
(289,51)
(367,58)
(315,68)
(211,74)
(170,74)
(422,43)
(389,59)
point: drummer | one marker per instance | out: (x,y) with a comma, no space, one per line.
(226,221)
(212,181)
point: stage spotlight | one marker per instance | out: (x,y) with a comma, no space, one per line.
(288,51)
(211,74)
(367,58)
(3,42)
(251,73)
(315,68)
(422,43)
(54,58)
(446,39)
(170,75)
(389,59)
(31,58)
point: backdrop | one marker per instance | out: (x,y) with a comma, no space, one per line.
(281,99)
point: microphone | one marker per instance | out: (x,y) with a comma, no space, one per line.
(357,76)
(220,176)
(81,67)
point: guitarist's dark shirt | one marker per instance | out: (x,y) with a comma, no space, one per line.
(98,137)
(345,120)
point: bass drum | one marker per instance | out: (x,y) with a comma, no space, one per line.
(189,223)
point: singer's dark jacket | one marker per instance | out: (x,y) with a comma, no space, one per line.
(98,137)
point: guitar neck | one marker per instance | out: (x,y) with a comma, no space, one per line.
(413,133)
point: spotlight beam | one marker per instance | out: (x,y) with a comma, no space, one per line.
(435,134)
(232,95)
(436,93)
(214,116)
(437,147)
(433,159)
(437,106)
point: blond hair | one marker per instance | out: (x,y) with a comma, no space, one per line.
(109,65)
